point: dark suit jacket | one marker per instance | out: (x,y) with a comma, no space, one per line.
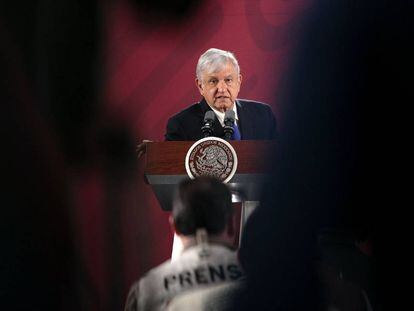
(256,121)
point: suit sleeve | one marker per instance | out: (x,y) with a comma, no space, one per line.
(273,134)
(174,130)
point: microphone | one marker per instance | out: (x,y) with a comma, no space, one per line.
(229,118)
(209,119)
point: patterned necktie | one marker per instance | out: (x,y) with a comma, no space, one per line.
(236,133)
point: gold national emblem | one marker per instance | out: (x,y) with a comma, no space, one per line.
(211,156)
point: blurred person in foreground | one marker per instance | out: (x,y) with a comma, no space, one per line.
(202,218)
(319,240)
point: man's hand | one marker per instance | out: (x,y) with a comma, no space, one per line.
(142,148)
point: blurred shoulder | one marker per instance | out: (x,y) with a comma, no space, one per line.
(249,104)
(192,109)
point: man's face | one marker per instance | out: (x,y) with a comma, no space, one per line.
(220,89)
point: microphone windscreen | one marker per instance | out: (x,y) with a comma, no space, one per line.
(230,115)
(209,116)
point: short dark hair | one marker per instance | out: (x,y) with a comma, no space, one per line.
(204,202)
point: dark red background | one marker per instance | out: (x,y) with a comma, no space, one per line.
(82,82)
(76,72)
(150,76)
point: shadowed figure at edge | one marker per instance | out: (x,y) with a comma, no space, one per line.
(319,220)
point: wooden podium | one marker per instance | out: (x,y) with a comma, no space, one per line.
(165,168)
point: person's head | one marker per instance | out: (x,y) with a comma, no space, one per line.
(202,203)
(218,78)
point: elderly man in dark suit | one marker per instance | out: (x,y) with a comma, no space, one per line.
(218,80)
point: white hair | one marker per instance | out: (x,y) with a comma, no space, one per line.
(215,59)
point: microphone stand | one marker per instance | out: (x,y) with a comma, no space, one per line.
(228,124)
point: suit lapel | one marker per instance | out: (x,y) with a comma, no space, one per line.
(244,125)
